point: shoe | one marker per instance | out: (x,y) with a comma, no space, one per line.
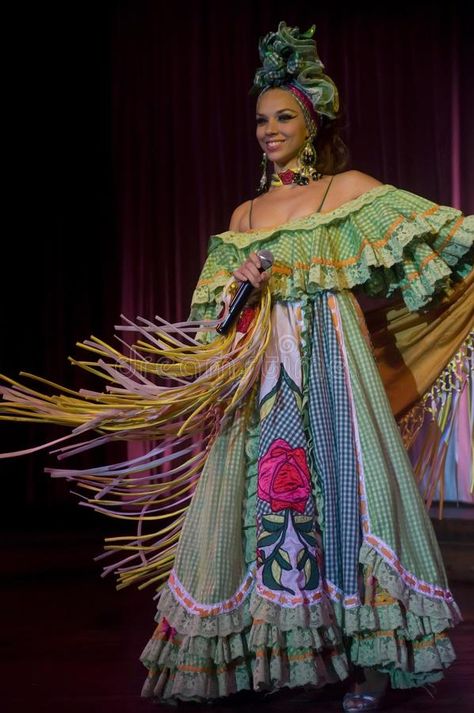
(353,702)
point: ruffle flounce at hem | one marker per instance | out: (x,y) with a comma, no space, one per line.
(264,647)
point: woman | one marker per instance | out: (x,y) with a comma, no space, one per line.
(306,554)
(324,561)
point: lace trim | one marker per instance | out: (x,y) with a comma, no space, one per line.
(274,647)
(418,585)
(243,239)
(327,589)
(193,607)
(263,598)
(407,257)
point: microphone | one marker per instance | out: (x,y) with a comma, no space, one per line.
(243,293)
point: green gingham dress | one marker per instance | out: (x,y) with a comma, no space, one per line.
(307,548)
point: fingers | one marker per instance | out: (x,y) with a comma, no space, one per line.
(250,271)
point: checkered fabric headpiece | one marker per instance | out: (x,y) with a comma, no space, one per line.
(290,60)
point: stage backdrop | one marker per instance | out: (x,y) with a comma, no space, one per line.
(184,123)
(136,141)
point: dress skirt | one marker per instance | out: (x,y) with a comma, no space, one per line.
(307,548)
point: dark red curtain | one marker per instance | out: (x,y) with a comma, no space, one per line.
(132,140)
(184,122)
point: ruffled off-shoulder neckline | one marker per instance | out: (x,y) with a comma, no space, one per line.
(385,239)
(310,220)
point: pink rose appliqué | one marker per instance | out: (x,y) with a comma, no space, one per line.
(284,480)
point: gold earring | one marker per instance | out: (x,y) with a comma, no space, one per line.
(307,158)
(263,185)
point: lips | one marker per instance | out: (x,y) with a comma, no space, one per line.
(274,145)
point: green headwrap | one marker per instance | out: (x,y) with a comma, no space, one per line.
(290,57)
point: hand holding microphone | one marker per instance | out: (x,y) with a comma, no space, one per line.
(252,275)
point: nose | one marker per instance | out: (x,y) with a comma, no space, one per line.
(271,127)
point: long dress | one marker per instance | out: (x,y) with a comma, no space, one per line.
(307,548)
(294,544)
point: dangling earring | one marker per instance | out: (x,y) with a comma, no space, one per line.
(307,158)
(263,186)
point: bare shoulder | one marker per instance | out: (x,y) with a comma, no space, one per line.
(355,183)
(239,218)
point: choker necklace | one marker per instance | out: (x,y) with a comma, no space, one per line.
(289,176)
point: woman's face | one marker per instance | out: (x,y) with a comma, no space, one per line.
(281,128)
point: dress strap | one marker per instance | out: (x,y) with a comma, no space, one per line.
(250,214)
(320,205)
(325,194)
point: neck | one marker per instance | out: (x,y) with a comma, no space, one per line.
(279,168)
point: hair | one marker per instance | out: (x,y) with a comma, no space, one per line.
(332,153)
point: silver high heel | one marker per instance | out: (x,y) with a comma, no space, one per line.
(353,702)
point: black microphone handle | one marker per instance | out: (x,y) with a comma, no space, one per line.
(243,293)
(240,298)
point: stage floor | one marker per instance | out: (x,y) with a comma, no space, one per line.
(70,642)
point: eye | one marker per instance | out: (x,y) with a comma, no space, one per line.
(260,120)
(285,117)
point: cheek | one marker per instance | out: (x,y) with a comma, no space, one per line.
(291,133)
(303,134)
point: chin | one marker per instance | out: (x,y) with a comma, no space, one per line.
(277,156)
(283,160)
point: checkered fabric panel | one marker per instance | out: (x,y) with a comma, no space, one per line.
(396,510)
(333,450)
(284,420)
(210,557)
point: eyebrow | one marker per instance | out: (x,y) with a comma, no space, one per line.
(278,111)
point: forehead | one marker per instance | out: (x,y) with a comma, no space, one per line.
(274,100)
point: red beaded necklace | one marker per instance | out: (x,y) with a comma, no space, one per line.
(285,178)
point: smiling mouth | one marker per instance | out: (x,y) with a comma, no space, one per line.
(272,145)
